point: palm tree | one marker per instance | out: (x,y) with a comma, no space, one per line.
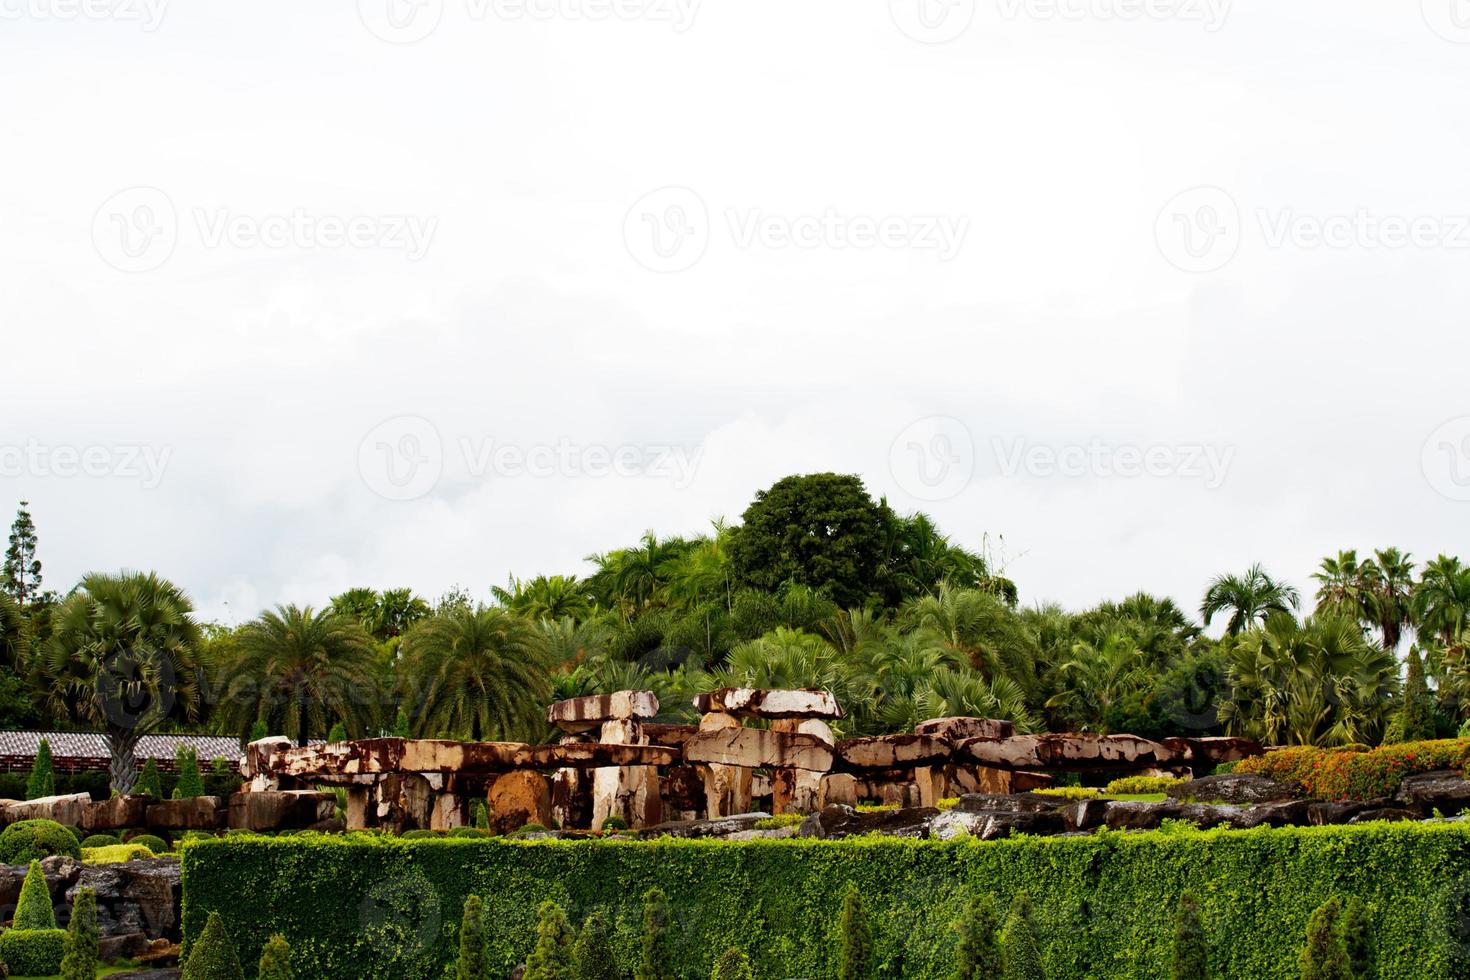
(1098,678)
(998,641)
(14,633)
(397,610)
(124,657)
(1442,600)
(546,597)
(1390,578)
(478,674)
(1342,588)
(301,670)
(1249,598)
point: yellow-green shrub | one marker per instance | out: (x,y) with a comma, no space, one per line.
(1138,785)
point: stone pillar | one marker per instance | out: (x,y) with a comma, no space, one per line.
(571,798)
(727,789)
(629,792)
(837,787)
(519,798)
(798,790)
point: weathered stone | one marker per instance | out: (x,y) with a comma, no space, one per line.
(1068,752)
(586,713)
(893,752)
(117,813)
(1208,815)
(127,946)
(1287,814)
(964,779)
(844,821)
(682,789)
(959,729)
(1236,788)
(1127,815)
(629,793)
(1324,812)
(260,755)
(995,824)
(1447,791)
(517,799)
(795,791)
(69,809)
(194,813)
(727,789)
(134,897)
(837,787)
(669,736)
(345,761)
(723,827)
(1085,815)
(281,809)
(571,798)
(1210,751)
(748,702)
(1391,814)
(1010,802)
(752,747)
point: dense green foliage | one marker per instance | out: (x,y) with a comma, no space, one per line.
(275,960)
(470,963)
(1102,904)
(29,840)
(656,955)
(153,842)
(81,959)
(733,965)
(33,952)
(855,942)
(978,954)
(1325,955)
(1347,774)
(1020,948)
(42,781)
(191,784)
(594,950)
(101,840)
(150,783)
(20,575)
(1357,938)
(33,910)
(553,957)
(1191,949)
(213,956)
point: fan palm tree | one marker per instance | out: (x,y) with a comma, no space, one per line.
(1390,578)
(477,674)
(124,657)
(1250,598)
(1342,587)
(300,670)
(998,641)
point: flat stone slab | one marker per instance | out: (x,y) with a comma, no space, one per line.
(894,751)
(747,702)
(756,747)
(1069,752)
(384,756)
(961,728)
(586,713)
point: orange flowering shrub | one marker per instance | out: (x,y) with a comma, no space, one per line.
(1357,774)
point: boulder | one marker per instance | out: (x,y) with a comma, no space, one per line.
(194,813)
(1446,791)
(959,729)
(61,873)
(1127,815)
(745,702)
(586,713)
(843,821)
(893,752)
(135,897)
(1009,802)
(1003,823)
(117,813)
(722,827)
(127,946)
(837,787)
(1208,815)
(280,809)
(1085,815)
(571,798)
(1388,813)
(69,809)
(1076,752)
(517,799)
(1236,788)
(1292,813)
(753,747)
(1323,812)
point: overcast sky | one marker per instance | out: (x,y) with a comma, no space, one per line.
(302,296)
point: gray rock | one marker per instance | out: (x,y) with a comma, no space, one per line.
(1325,812)
(1240,788)
(134,896)
(1003,823)
(1386,813)
(1084,815)
(1128,815)
(1292,813)
(1009,802)
(147,975)
(720,827)
(839,820)
(1446,791)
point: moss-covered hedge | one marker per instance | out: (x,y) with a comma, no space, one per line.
(360,906)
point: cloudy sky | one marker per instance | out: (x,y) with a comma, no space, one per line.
(301,296)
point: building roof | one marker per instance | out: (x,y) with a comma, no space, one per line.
(93,745)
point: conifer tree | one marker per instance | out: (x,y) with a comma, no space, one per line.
(656,954)
(33,910)
(21,574)
(190,782)
(42,781)
(213,956)
(552,959)
(1191,955)
(978,957)
(150,782)
(473,960)
(82,938)
(1357,939)
(855,955)
(594,953)
(1325,956)
(1021,951)
(275,960)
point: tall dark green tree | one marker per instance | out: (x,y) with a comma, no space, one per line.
(822,530)
(15,633)
(213,955)
(21,572)
(594,952)
(42,781)
(191,784)
(1415,719)
(978,955)
(1325,955)
(1191,954)
(472,963)
(553,957)
(1357,939)
(82,938)
(855,935)
(1019,946)
(150,783)
(656,951)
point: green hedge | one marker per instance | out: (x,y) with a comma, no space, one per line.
(360,906)
(33,952)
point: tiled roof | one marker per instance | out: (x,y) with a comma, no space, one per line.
(90,745)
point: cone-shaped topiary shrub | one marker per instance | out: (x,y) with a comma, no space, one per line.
(1021,951)
(275,960)
(656,953)
(1325,955)
(191,784)
(82,956)
(472,958)
(552,959)
(1357,939)
(855,952)
(42,781)
(213,956)
(150,782)
(1191,954)
(34,910)
(733,965)
(977,957)
(594,954)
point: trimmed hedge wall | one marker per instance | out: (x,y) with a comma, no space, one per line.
(360,906)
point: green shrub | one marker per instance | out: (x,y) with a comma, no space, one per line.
(1069,792)
(532,828)
(33,952)
(471,832)
(1357,938)
(81,959)
(614,823)
(115,854)
(1140,785)
(338,733)
(734,965)
(213,957)
(27,840)
(1191,954)
(656,953)
(778,821)
(1020,950)
(1325,955)
(471,964)
(1104,903)
(594,950)
(479,815)
(190,783)
(101,840)
(1345,774)
(33,911)
(150,783)
(552,959)
(419,834)
(153,842)
(275,960)
(978,955)
(42,781)
(855,952)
